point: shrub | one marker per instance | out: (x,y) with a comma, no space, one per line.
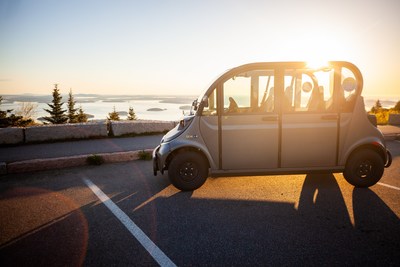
(144,155)
(113,116)
(9,120)
(382,117)
(131,114)
(82,116)
(94,160)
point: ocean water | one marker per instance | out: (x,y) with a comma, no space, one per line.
(165,108)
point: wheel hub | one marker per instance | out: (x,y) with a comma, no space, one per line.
(188,171)
(364,169)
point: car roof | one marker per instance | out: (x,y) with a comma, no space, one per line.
(289,65)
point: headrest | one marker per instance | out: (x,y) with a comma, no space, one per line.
(307,87)
(349,84)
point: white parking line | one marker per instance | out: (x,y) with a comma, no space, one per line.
(390,186)
(143,239)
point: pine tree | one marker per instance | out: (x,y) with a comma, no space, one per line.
(72,116)
(377,107)
(81,117)
(131,114)
(57,114)
(113,116)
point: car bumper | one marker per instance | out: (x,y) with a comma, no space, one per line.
(388,159)
(156,160)
(160,154)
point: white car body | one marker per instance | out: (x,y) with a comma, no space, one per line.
(276,118)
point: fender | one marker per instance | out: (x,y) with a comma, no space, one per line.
(194,144)
(373,143)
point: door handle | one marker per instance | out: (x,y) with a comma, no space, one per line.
(330,117)
(270,118)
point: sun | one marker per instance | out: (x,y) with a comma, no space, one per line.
(317,63)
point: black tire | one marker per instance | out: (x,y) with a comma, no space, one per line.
(188,171)
(364,168)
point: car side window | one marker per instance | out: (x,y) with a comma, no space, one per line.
(250,92)
(348,90)
(210,104)
(266,94)
(308,91)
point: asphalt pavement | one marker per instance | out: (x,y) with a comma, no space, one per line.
(111,215)
(74,148)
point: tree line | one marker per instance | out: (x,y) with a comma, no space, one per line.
(57,114)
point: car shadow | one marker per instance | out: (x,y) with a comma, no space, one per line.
(375,221)
(322,229)
(201,231)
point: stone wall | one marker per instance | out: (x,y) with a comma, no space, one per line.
(11,136)
(394,119)
(43,133)
(65,132)
(121,128)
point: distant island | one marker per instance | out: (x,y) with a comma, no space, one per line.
(187,107)
(91,98)
(156,109)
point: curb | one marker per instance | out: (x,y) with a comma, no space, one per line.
(66,162)
(391,137)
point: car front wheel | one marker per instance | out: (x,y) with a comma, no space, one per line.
(364,168)
(188,171)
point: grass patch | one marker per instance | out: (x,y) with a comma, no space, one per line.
(95,160)
(141,134)
(144,155)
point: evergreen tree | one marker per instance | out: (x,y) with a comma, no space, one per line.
(377,107)
(57,114)
(72,116)
(81,117)
(113,116)
(131,114)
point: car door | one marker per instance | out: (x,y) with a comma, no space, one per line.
(309,124)
(249,123)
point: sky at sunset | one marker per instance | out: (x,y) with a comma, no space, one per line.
(180,47)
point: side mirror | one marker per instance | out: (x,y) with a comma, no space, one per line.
(205,101)
(194,105)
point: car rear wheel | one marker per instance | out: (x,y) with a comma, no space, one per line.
(364,168)
(188,171)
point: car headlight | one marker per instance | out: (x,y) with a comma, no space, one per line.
(178,130)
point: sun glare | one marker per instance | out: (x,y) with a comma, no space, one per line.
(317,63)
